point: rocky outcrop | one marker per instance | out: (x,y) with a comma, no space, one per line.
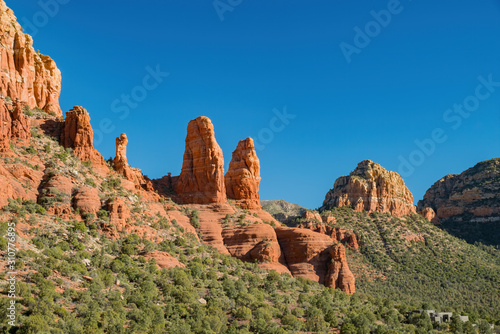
(345,236)
(78,135)
(371,188)
(243,176)
(306,252)
(202,176)
(339,275)
(121,166)
(256,242)
(87,200)
(24,73)
(468,204)
(20,123)
(13,123)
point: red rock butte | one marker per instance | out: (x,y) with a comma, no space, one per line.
(372,188)
(202,176)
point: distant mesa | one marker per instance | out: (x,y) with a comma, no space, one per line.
(468,204)
(372,188)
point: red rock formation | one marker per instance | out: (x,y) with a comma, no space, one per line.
(87,200)
(430,215)
(339,275)
(121,166)
(78,135)
(468,204)
(20,123)
(243,176)
(13,123)
(371,188)
(119,213)
(347,237)
(5,126)
(25,74)
(18,181)
(256,242)
(202,175)
(311,215)
(120,160)
(306,252)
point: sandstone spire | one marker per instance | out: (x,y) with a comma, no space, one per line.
(202,175)
(120,160)
(243,176)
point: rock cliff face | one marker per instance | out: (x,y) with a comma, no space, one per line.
(78,135)
(468,204)
(255,242)
(24,73)
(339,275)
(317,257)
(13,123)
(243,176)
(202,175)
(372,188)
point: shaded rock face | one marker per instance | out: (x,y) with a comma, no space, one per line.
(202,176)
(372,188)
(243,176)
(257,242)
(468,204)
(78,135)
(339,275)
(13,123)
(25,74)
(314,256)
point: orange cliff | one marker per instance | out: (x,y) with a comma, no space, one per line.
(243,176)
(202,176)
(372,188)
(24,73)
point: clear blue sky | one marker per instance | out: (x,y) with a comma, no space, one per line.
(266,55)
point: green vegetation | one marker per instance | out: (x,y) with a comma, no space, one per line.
(412,261)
